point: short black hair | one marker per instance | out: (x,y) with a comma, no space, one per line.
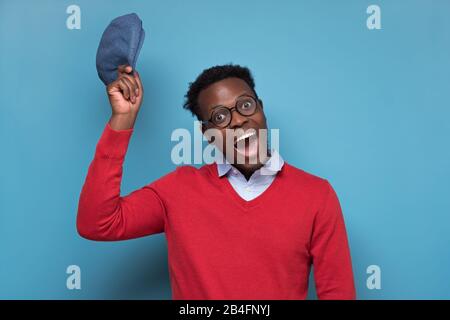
(212,75)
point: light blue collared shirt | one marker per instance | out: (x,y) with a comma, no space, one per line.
(258,182)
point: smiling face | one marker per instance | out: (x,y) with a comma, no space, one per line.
(243,131)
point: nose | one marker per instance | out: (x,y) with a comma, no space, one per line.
(237,120)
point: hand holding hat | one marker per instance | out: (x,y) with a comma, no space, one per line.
(116,60)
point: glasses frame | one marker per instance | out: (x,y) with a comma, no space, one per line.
(209,121)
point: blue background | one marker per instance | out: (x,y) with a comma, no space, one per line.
(366,109)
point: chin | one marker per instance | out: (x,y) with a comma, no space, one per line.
(249,167)
(250,160)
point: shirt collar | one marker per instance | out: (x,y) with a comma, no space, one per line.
(271,167)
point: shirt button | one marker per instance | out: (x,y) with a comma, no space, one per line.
(248,189)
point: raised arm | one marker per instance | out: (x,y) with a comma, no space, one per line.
(103,214)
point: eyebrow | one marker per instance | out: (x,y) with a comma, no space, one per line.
(221,105)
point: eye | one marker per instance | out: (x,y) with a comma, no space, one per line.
(219,117)
(246,105)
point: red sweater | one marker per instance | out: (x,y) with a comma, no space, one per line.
(219,245)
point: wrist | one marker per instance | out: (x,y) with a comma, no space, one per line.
(122,121)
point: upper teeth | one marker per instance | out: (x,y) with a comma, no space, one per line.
(245,136)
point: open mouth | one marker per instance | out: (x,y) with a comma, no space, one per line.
(247,144)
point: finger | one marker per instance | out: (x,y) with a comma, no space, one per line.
(125,89)
(137,76)
(132,88)
(113,87)
(134,85)
(124,68)
(131,91)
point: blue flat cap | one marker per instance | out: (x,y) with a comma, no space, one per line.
(120,44)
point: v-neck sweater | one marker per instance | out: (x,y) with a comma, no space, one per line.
(221,246)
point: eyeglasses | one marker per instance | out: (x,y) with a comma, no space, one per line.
(221,116)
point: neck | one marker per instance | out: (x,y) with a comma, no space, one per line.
(248,170)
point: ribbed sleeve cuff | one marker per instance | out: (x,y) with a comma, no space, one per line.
(113,144)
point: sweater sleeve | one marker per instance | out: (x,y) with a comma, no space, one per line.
(330,252)
(103,214)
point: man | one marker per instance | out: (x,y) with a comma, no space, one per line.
(235,230)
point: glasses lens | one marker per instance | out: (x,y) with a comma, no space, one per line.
(246,106)
(221,117)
